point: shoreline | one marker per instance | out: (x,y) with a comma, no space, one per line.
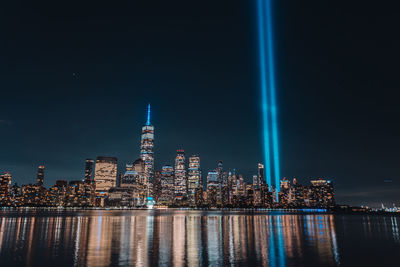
(287,210)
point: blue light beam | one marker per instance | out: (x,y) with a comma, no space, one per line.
(264,88)
(268,93)
(272,90)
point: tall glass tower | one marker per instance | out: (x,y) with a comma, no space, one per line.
(180,176)
(194,177)
(40,176)
(147,151)
(88,170)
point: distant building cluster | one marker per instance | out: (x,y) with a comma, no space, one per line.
(177,185)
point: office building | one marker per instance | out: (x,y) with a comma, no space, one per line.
(105,174)
(40,176)
(180,176)
(89,170)
(167,186)
(5,185)
(194,178)
(321,193)
(212,188)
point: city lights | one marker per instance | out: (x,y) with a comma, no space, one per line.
(180,185)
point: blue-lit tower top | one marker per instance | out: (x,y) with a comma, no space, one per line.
(148,115)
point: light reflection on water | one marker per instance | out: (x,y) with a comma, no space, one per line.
(187,238)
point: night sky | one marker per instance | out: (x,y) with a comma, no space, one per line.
(76,76)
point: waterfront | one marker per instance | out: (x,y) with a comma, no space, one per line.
(192,238)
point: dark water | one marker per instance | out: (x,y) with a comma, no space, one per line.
(191,238)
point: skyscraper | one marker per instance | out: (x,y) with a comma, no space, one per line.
(194,177)
(133,175)
(220,170)
(167,185)
(88,183)
(89,170)
(157,186)
(133,178)
(212,188)
(40,176)
(5,184)
(105,174)
(180,176)
(147,151)
(261,172)
(256,181)
(322,193)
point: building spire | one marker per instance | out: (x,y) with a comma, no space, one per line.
(148,115)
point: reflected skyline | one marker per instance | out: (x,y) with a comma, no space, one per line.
(181,238)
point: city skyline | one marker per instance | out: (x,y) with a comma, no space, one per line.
(138,185)
(199,133)
(146,147)
(75,83)
(179,163)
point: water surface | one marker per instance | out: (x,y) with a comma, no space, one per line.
(196,238)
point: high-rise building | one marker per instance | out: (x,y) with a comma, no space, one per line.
(212,188)
(140,167)
(133,178)
(40,176)
(147,151)
(105,174)
(322,193)
(233,183)
(194,177)
(167,185)
(241,185)
(220,170)
(88,184)
(180,176)
(129,179)
(135,172)
(5,185)
(285,193)
(249,193)
(256,181)
(225,193)
(157,186)
(261,172)
(89,170)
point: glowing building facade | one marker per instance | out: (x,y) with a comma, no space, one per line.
(167,185)
(138,167)
(180,176)
(220,170)
(129,179)
(132,181)
(261,172)
(321,193)
(40,176)
(105,174)
(147,151)
(89,170)
(213,188)
(256,181)
(194,177)
(5,185)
